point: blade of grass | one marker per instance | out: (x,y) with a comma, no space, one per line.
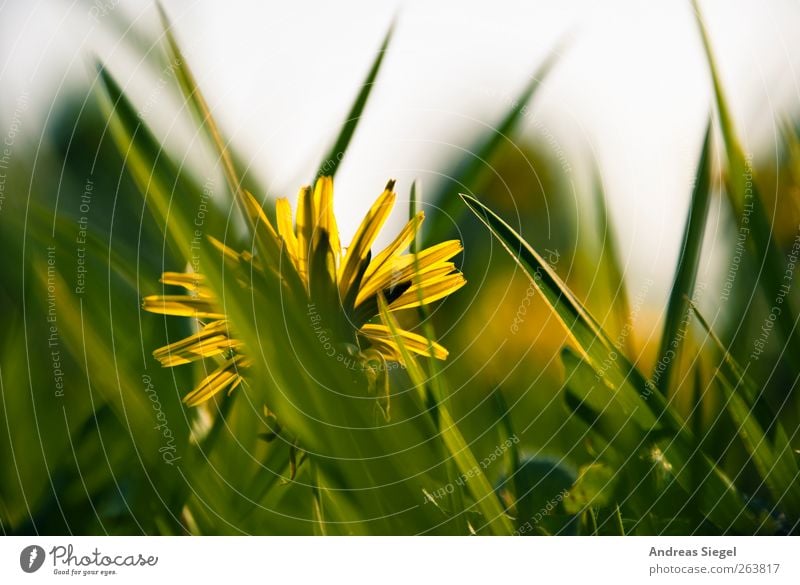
(437,390)
(155,175)
(758,427)
(636,397)
(716,496)
(604,415)
(472,171)
(587,337)
(332,160)
(686,272)
(610,261)
(748,205)
(619,525)
(497,522)
(265,239)
(197,102)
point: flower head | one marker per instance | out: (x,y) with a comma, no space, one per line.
(343,284)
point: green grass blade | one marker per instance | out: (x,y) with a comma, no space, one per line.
(332,160)
(486,500)
(636,399)
(437,389)
(599,407)
(686,271)
(758,427)
(716,496)
(778,471)
(156,176)
(197,102)
(199,106)
(471,172)
(612,267)
(748,205)
(584,332)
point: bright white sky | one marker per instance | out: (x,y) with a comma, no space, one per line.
(631,91)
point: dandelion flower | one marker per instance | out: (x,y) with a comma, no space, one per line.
(341,285)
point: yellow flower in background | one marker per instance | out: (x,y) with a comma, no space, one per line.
(342,285)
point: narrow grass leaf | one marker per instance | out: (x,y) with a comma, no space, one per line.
(256,217)
(759,428)
(686,272)
(473,169)
(332,160)
(636,397)
(585,334)
(612,267)
(748,205)
(155,175)
(478,485)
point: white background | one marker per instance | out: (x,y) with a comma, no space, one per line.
(377,560)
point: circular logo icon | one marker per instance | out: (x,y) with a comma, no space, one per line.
(31,558)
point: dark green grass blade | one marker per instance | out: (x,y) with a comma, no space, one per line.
(332,160)
(233,163)
(496,520)
(611,265)
(759,427)
(588,338)
(686,271)
(748,205)
(471,172)
(154,173)
(717,498)
(633,397)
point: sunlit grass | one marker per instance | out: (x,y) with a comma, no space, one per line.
(544,418)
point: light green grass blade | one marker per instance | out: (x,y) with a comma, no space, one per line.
(154,174)
(198,104)
(611,265)
(633,396)
(748,205)
(686,272)
(332,160)
(758,427)
(437,391)
(472,171)
(478,485)
(607,417)
(586,336)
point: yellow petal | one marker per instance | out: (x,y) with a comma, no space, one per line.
(387,348)
(365,236)
(413,342)
(305,229)
(428,292)
(191,281)
(257,213)
(213,339)
(400,243)
(325,218)
(182,306)
(400,268)
(225,377)
(227,251)
(283,211)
